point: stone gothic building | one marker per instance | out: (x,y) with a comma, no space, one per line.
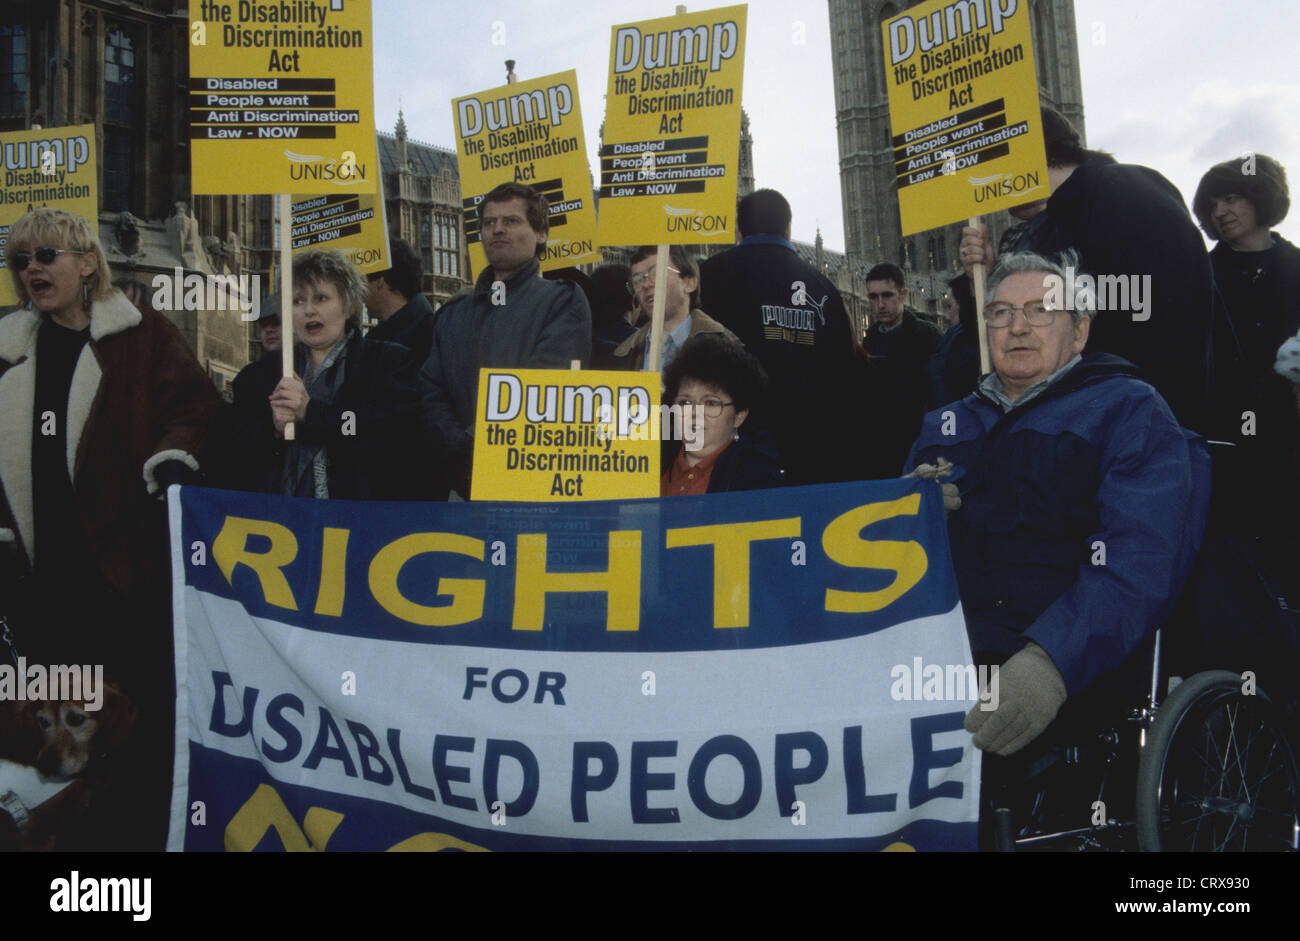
(422,197)
(124,68)
(872,232)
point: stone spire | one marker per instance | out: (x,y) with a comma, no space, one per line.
(399,131)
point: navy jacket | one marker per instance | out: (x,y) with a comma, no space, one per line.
(750,463)
(369,458)
(804,341)
(1095,464)
(410,326)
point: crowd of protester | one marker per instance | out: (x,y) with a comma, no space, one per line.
(1092,424)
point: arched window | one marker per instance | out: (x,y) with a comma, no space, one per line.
(13,69)
(119,119)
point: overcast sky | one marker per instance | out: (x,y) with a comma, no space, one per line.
(1176,85)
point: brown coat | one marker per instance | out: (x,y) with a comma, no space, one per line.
(138,397)
(631,352)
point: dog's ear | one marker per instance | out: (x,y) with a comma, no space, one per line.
(20,736)
(116,719)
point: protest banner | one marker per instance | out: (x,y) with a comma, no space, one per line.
(53,166)
(669,157)
(529,132)
(963,107)
(281,98)
(964,111)
(555,434)
(282,101)
(735,671)
(353,223)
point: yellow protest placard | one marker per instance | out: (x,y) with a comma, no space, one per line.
(51,167)
(557,434)
(281,97)
(963,107)
(353,223)
(529,132)
(669,159)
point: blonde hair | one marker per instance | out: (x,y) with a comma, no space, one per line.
(323,264)
(57,228)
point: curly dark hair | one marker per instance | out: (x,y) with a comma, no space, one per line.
(716,360)
(1266,188)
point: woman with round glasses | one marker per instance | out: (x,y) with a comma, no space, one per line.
(717,383)
(101,406)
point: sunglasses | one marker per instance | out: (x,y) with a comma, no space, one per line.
(20,260)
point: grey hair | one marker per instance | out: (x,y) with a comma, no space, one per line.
(1065,268)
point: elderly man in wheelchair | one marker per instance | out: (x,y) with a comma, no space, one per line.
(1080,505)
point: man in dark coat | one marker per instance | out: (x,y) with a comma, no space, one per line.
(898,345)
(395,297)
(1125,222)
(513,320)
(793,319)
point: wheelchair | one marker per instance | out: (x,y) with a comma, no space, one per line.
(1209,768)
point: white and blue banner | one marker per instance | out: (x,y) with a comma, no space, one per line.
(733,671)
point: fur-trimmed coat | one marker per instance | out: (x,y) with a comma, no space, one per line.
(138,398)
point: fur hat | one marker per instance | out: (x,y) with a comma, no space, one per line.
(1265,188)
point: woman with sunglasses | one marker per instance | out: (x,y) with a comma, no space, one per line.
(717,383)
(101,406)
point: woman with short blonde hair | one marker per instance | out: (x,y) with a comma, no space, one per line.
(101,406)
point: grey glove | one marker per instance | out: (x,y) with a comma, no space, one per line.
(1031,692)
(951,499)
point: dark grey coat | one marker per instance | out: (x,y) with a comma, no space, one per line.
(541,325)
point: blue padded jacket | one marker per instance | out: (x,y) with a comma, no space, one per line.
(1082,512)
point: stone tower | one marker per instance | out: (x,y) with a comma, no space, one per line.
(872,232)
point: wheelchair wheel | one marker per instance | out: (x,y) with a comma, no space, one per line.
(1218,773)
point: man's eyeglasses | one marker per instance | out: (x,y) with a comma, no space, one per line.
(20,260)
(639,279)
(1037,314)
(711,408)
